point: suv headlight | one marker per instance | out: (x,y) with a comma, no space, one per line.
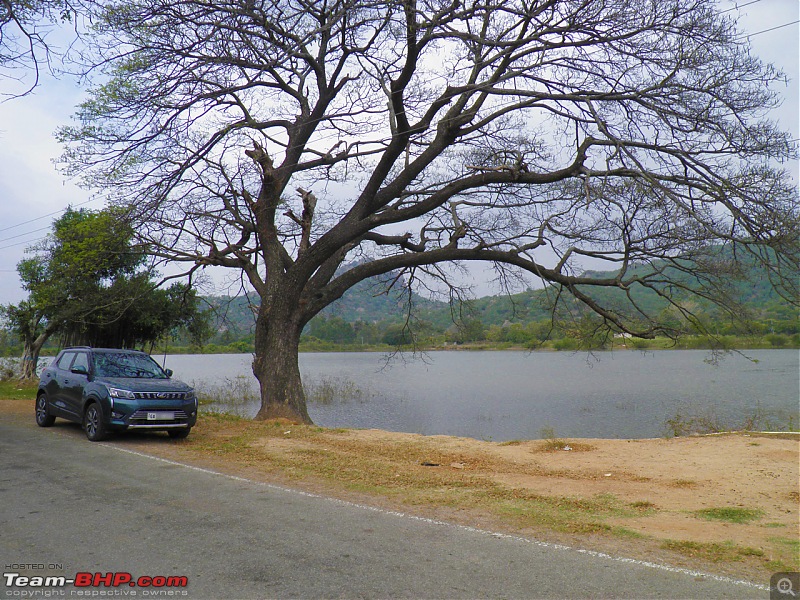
(118,393)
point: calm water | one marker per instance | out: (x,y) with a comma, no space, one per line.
(515,395)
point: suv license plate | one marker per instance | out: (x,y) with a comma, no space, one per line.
(160,416)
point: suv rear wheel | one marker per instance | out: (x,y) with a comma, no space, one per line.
(43,418)
(93,423)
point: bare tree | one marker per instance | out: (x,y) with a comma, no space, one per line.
(24,49)
(286,138)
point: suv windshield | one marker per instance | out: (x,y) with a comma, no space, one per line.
(125,364)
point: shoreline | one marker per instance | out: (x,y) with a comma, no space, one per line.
(330,347)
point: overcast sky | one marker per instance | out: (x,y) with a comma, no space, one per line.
(33,194)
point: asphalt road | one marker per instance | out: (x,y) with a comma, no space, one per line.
(68,506)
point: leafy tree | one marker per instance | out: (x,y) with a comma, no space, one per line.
(366,333)
(333,329)
(29,322)
(130,312)
(86,283)
(468,329)
(427,133)
(201,328)
(63,275)
(396,334)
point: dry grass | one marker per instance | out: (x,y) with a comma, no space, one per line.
(414,471)
(464,480)
(555,445)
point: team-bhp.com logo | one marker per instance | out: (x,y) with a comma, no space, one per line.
(95,580)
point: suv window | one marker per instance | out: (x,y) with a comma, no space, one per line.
(81,360)
(126,364)
(65,360)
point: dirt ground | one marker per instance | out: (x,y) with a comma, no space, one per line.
(728,504)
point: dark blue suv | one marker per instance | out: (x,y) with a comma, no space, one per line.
(106,389)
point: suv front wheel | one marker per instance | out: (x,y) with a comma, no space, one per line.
(43,418)
(93,423)
(179,434)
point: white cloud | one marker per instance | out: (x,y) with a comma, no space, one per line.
(30,187)
(777,41)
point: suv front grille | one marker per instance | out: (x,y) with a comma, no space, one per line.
(160,395)
(140,416)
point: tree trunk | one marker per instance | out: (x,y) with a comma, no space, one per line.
(276,367)
(30,356)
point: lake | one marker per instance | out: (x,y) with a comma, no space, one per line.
(499,395)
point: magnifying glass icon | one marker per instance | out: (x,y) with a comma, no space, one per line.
(785,587)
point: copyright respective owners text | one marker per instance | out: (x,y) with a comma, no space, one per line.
(54,580)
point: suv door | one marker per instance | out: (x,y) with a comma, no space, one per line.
(62,379)
(74,383)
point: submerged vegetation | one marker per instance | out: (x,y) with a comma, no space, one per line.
(690,422)
(238,395)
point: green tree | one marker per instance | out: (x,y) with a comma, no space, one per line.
(64,274)
(420,135)
(87,282)
(396,334)
(131,312)
(332,329)
(201,328)
(31,325)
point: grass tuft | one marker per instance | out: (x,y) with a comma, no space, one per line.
(684,483)
(731,514)
(726,552)
(554,445)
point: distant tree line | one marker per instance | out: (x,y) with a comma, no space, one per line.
(531,334)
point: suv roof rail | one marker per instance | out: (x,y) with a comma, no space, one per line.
(101,349)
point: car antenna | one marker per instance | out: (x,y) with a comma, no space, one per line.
(164,362)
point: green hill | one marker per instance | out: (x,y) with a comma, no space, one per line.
(368,313)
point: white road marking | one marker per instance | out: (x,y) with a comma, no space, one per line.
(594,553)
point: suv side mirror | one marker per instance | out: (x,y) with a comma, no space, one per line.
(168,372)
(79,370)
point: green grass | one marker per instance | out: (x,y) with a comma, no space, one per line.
(13,389)
(726,552)
(731,514)
(790,543)
(624,532)
(551,445)
(569,514)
